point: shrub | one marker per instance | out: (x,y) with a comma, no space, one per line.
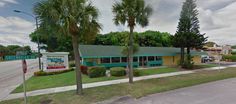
(188,62)
(233,53)
(136,73)
(229,57)
(187,65)
(118,71)
(84,69)
(42,73)
(72,64)
(95,72)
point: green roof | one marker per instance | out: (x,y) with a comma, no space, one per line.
(98,51)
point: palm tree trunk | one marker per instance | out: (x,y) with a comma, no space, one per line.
(77,64)
(131,54)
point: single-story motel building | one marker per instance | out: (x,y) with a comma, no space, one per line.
(111,56)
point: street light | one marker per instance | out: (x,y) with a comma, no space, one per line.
(36,20)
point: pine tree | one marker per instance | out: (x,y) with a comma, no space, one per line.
(188,34)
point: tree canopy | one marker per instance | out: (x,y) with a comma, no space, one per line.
(188,34)
(210,44)
(74,18)
(234,47)
(13,49)
(150,38)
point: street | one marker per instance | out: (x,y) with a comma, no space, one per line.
(11,75)
(219,92)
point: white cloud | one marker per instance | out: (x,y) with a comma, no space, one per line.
(15,30)
(4,2)
(219,24)
(10,1)
(216,17)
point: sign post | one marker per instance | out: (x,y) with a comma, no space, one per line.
(24,67)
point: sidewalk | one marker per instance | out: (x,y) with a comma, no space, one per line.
(104,83)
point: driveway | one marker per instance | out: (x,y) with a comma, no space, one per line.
(220,92)
(11,75)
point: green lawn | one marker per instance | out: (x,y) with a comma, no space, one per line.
(157,71)
(200,66)
(138,89)
(68,78)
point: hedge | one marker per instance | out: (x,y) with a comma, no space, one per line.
(42,73)
(95,72)
(136,72)
(72,64)
(233,53)
(118,71)
(84,69)
(229,57)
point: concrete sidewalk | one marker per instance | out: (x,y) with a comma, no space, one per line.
(97,84)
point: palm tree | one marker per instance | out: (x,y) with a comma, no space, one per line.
(131,12)
(125,50)
(75,18)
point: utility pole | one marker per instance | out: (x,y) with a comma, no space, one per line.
(36,20)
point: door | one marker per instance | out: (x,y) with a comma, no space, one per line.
(143,61)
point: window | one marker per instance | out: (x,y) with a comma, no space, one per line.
(115,59)
(158,58)
(135,59)
(151,58)
(105,60)
(123,59)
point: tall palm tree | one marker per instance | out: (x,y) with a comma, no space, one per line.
(75,18)
(131,12)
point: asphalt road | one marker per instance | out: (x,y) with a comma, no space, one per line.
(11,75)
(220,92)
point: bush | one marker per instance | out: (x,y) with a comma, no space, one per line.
(84,69)
(188,62)
(229,57)
(118,71)
(95,72)
(72,64)
(187,65)
(42,73)
(136,72)
(233,53)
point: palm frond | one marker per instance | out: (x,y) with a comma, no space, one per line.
(131,11)
(77,17)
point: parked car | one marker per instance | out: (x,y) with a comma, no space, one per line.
(207,59)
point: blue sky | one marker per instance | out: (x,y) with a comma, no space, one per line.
(7,9)
(217,19)
(10,31)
